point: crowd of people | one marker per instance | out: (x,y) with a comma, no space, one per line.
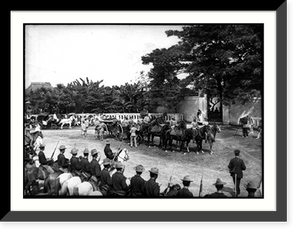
(116,184)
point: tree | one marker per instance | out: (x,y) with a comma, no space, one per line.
(224,61)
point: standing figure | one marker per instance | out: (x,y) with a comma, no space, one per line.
(236,167)
(133,136)
(38,142)
(185,192)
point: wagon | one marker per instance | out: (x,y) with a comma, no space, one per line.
(114,128)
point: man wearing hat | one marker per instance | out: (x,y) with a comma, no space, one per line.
(185,192)
(105,178)
(74,161)
(120,188)
(236,167)
(133,135)
(107,151)
(137,183)
(85,165)
(43,160)
(95,167)
(219,186)
(251,189)
(61,159)
(151,186)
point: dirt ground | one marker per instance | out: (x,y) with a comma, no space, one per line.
(174,164)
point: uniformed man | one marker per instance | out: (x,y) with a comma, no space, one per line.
(61,159)
(151,186)
(85,164)
(45,162)
(219,184)
(95,166)
(236,167)
(74,161)
(185,192)
(119,185)
(105,178)
(133,136)
(137,183)
(107,151)
(251,189)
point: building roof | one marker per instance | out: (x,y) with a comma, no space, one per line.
(36,85)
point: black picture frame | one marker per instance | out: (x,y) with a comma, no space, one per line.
(279,215)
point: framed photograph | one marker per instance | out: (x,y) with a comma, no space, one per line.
(148,115)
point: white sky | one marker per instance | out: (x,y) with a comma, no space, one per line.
(63,53)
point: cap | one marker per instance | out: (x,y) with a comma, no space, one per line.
(219,182)
(237,152)
(85,150)
(139,168)
(154,170)
(187,178)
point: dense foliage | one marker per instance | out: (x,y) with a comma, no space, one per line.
(220,60)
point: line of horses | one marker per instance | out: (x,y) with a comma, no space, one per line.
(180,133)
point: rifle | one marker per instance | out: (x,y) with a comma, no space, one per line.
(54,150)
(201,184)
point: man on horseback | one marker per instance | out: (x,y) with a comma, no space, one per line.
(74,162)
(119,185)
(95,167)
(108,152)
(62,161)
(44,161)
(105,178)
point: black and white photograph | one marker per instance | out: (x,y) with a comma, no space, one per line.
(143,111)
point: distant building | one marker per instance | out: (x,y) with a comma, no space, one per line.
(36,85)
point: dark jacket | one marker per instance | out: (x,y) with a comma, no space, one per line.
(137,186)
(236,166)
(61,160)
(85,165)
(184,192)
(119,182)
(216,194)
(42,158)
(75,164)
(151,188)
(105,178)
(95,168)
(108,152)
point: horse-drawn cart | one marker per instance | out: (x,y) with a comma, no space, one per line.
(114,128)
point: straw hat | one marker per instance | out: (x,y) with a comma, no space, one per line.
(62,147)
(94,151)
(139,168)
(74,151)
(219,182)
(85,150)
(154,170)
(106,161)
(187,178)
(119,165)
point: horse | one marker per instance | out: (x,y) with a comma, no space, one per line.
(201,136)
(215,129)
(178,133)
(155,128)
(86,188)
(66,121)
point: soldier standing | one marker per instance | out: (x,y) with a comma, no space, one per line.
(236,167)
